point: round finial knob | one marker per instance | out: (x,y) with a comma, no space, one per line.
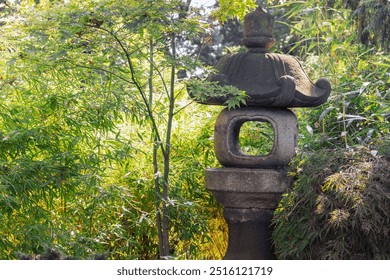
(258,29)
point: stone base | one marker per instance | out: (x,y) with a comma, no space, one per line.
(247,188)
(249,234)
(249,197)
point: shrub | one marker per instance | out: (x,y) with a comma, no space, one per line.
(337,207)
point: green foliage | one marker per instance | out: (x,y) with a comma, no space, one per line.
(256,138)
(233,8)
(340,213)
(88,95)
(357,111)
(100,147)
(368,19)
(202,90)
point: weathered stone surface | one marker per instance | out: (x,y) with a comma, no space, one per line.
(247,188)
(269,79)
(258,30)
(249,234)
(226,137)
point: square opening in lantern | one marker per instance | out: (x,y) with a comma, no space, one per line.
(256,138)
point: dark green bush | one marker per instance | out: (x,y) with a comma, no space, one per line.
(338,207)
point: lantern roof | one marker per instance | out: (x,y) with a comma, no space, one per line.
(269,79)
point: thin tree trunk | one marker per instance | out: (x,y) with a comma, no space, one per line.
(155,159)
(158,202)
(167,154)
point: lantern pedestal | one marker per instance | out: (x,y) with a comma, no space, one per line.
(249,234)
(250,186)
(249,197)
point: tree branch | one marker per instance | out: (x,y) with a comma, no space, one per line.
(136,83)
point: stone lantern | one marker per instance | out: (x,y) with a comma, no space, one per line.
(250,186)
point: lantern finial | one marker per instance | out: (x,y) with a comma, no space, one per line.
(258,30)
